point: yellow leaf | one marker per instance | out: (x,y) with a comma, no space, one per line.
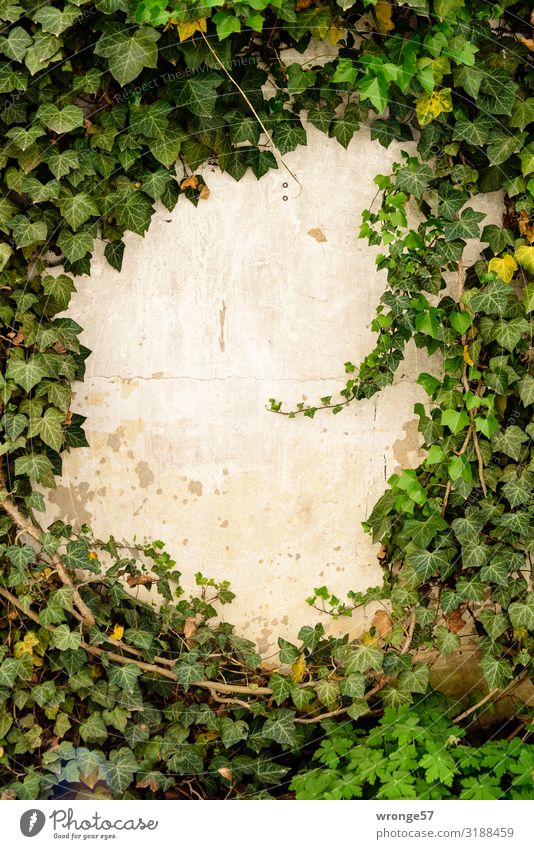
(1,751)
(37,661)
(335,34)
(430,106)
(504,267)
(368,639)
(94,671)
(92,555)
(467,358)
(26,645)
(118,631)
(383,13)
(298,670)
(190,28)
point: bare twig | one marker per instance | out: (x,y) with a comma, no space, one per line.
(251,107)
(25,525)
(496,693)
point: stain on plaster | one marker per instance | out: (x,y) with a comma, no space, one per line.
(195,487)
(72,502)
(222,319)
(145,474)
(317,234)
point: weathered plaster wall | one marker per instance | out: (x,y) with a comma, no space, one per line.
(218,309)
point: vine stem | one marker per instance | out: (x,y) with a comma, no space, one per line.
(340,711)
(32,530)
(251,107)
(492,693)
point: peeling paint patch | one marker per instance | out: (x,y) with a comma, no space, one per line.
(195,487)
(411,444)
(317,234)
(72,502)
(145,474)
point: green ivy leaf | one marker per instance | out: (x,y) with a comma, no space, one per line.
(124,677)
(60,120)
(496,672)
(280,727)
(127,54)
(62,638)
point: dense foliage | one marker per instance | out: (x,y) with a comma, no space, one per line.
(415,753)
(99,102)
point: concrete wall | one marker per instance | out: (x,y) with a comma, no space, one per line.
(249,296)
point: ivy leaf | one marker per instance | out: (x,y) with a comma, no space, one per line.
(414,680)
(60,120)
(288,652)
(188,670)
(522,113)
(504,267)
(447,641)
(281,686)
(93,730)
(430,106)
(364,658)
(427,563)
(455,420)
(127,54)
(298,80)
(16,44)
(134,213)
(287,136)
(77,554)
(475,133)
(343,127)
(525,257)
(414,180)
(20,555)
(14,424)
(49,427)
(498,238)
(8,672)
(280,727)
(35,466)
(508,333)
(62,638)
(114,253)
(375,89)
(465,227)
(54,20)
(522,614)
(359,707)
(509,441)
(327,692)
(75,246)
(198,94)
(496,672)
(26,232)
(526,389)
(353,686)
(494,301)
(451,200)
(76,210)
(124,677)
(494,623)
(26,373)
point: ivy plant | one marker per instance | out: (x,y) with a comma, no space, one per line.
(108,108)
